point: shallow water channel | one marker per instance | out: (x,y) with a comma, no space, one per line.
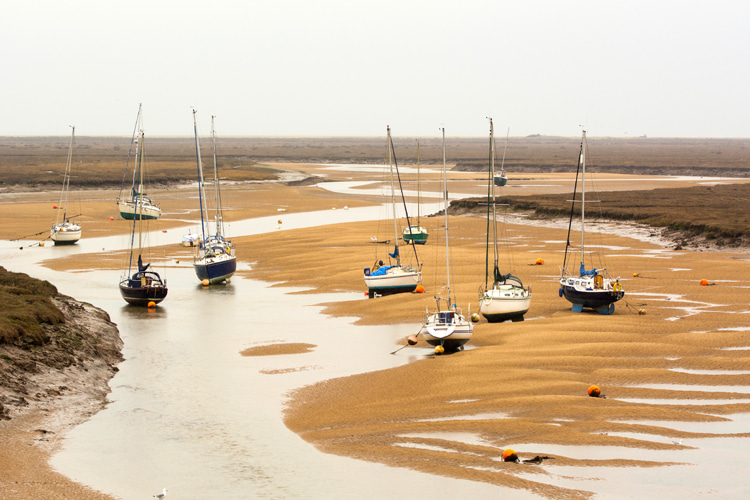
(188,412)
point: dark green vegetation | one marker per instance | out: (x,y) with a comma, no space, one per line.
(717,213)
(26,306)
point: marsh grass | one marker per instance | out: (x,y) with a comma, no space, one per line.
(26,307)
(101,161)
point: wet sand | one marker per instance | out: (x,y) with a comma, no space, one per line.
(521,385)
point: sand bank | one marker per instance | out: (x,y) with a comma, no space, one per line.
(520,385)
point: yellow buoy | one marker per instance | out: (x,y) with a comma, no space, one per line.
(152,304)
(205,282)
(539,262)
(474,317)
(439,349)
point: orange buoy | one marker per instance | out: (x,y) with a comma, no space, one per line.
(152,304)
(111,218)
(419,289)
(539,262)
(54,206)
(509,455)
(594,391)
(412,340)
(704,283)
(280,221)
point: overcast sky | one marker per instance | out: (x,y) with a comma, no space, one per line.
(332,68)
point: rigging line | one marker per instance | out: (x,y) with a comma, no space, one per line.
(572,206)
(29,235)
(403,199)
(130,149)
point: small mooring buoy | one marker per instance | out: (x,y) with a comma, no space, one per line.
(205,282)
(419,289)
(151,304)
(412,340)
(595,392)
(509,455)
(439,349)
(474,317)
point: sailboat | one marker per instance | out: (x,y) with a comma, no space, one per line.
(501,179)
(215,261)
(507,299)
(416,233)
(593,288)
(138,205)
(385,279)
(66,232)
(447,330)
(144,286)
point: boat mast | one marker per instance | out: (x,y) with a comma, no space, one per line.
(217,193)
(201,193)
(583,190)
(418,190)
(393,195)
(139,199)
(494,202)
(445,204)
(66,180)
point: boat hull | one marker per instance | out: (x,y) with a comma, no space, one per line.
(215,269)
(594,299)
(418,235)
(130,211)
(141,293)
(447,329)
(497,306)
(65,234)
(500,180)
(395,280)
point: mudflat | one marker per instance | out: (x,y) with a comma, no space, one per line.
(521,385)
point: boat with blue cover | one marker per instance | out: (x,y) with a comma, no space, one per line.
(215,261)
(393,276)
(590,288)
